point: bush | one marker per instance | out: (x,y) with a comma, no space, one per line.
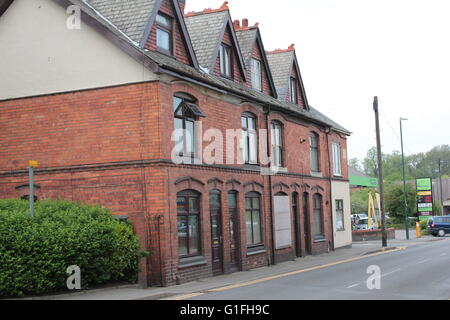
(35,252)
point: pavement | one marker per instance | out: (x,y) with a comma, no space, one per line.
(312,270)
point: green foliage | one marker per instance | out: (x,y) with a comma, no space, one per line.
(395,203)
(36,251)
(416,165)
(359,200)
(423,224)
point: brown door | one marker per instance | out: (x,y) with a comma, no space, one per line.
(234,230)
(307,232)
(216,232)
(296,212)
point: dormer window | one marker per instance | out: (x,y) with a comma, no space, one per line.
(225,60)
(164,34)
(293,90)
(256,74)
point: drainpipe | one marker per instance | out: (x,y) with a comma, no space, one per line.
(273,262)
(328,131)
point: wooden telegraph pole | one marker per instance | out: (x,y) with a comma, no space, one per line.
(380,174)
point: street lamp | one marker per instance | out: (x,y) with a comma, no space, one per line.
(440,186)
(404,181)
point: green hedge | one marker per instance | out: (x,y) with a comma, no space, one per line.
(35,252)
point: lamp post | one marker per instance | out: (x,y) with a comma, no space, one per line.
(404,181)
(440,187)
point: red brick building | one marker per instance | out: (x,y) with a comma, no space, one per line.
(98,105)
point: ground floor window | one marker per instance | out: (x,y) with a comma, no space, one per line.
(188,210)
(253,219)
(318,217)
(340,215)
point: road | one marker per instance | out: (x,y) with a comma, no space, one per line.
(418,272)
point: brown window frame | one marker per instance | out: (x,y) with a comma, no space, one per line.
(186,116)
(248,130)
(281,146)
(293,90)
(227,48)
(314,135)
(166,29)
(190,194)
(251,196)
(318,209)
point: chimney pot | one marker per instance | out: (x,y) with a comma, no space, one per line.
(237,24)
(245,23)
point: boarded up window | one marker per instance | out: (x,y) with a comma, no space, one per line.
(283,235)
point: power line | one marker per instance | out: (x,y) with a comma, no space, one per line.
(393,130)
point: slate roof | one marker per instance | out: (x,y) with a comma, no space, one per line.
(167,63)
(205,30)
(129,16)
(246,39)
(280,65)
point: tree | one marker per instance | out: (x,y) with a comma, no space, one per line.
(355,163)
(395,203)
(370,163)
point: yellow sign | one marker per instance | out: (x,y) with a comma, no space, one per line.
(424,193)
(33,163)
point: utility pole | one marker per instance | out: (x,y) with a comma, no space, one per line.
(404,182)
(380,174)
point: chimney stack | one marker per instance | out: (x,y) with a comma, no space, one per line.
(182,4)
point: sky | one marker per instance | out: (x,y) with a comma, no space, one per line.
(352,50)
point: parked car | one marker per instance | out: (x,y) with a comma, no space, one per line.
(439,226)
(363,224)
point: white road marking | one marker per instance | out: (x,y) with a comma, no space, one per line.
(423,261)
(353,285)
(386,274)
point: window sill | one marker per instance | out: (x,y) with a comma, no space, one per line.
(191,262)
(255,251)
(320,239)
(317,174)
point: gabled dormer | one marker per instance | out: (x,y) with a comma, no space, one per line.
(215,43)
(257,67)
(156,25)
(287,77)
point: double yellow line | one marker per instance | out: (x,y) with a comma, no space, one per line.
(251,282)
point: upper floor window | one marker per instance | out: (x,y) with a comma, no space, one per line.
(225,60)
(293,90)
(277,144)
(164,33)
(185,112)
(314,147)
(249,138)
(256,74)
(337,159)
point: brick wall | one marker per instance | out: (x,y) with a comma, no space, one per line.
(104,147)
